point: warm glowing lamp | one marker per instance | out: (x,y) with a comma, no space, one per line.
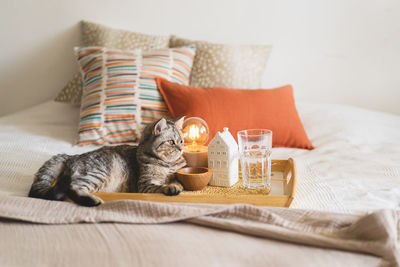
(195,133)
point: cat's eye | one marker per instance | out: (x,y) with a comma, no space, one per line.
(171,142)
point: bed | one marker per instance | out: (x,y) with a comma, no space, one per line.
(350,182)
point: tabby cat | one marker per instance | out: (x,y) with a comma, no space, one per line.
(147,168)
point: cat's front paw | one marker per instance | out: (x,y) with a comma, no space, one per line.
(172,189)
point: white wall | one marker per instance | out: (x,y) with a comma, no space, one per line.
(337,51)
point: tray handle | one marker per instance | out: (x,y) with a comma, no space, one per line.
(290,178)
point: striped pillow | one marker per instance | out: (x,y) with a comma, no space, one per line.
(120,94)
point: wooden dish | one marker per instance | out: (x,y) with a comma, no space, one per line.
(283,189)
(194,178)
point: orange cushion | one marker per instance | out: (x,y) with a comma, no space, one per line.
(239,109)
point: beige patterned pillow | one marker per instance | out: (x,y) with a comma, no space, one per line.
(94,34)
(223,65)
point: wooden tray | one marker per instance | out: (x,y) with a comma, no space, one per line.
(283,188)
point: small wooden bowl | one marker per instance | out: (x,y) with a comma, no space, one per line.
(194,178)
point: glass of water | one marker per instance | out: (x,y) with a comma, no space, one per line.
(255,158)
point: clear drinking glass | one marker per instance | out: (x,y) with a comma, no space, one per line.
(255,158)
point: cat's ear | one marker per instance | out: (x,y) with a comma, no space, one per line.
(160,126)
(179,122)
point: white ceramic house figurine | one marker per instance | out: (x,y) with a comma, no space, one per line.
(223,159)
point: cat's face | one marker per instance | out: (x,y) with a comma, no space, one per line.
(166,140)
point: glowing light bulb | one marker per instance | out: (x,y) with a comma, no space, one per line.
(195,133)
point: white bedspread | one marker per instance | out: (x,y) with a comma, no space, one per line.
(354,168)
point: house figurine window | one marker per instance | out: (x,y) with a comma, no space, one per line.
(218,164)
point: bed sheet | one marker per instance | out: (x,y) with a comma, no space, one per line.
(354,168)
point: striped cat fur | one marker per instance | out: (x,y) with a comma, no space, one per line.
(147,168)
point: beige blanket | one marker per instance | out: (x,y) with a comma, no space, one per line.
(341,237)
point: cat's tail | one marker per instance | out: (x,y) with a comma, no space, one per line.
(45,183)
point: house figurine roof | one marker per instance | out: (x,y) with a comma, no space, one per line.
(226,137)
